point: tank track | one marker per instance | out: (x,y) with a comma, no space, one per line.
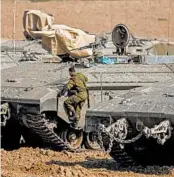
(121,156)
(117,153)
(38,125)
(152,155)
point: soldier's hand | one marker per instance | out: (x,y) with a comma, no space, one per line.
(64,91)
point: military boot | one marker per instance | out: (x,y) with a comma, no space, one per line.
(74,116)
(74,120)
(74,125)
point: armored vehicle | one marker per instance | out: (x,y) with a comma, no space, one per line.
(29,97)
(137,127)
(30,106)
(31,111)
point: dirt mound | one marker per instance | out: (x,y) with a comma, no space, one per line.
(29,162)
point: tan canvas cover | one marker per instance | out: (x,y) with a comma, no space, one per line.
(35,20)
(63,39)
(163,49)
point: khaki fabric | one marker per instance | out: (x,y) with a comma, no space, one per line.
(71,38)
(35,20)
(162,49)
(78,83)
(61,39)
(58,39)
(74,103)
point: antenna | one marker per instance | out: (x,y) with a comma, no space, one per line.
(126,12)
(148,3)
(169,26)
(14,24)
(111,14)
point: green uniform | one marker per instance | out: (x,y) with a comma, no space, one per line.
(77,100)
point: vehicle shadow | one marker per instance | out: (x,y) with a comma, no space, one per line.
(110,164)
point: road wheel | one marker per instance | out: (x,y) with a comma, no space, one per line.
(90,141)
(73,137)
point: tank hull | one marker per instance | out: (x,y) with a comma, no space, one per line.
(31,87)
(147,112)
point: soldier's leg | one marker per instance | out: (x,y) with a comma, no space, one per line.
(71,103)
(68,104)
(68,112)
(79,108)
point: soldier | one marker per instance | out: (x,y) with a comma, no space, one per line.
(78,90)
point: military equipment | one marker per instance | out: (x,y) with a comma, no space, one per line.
(100,42)
(30,105)
(30,108)
(32,101)
(30,90)
(137,127)
(120,36)
(112,81)
(123,44)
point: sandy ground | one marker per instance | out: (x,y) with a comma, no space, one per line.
(29,162)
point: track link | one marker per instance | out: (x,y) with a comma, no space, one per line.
(38,124)
(117,153)
(121,156)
